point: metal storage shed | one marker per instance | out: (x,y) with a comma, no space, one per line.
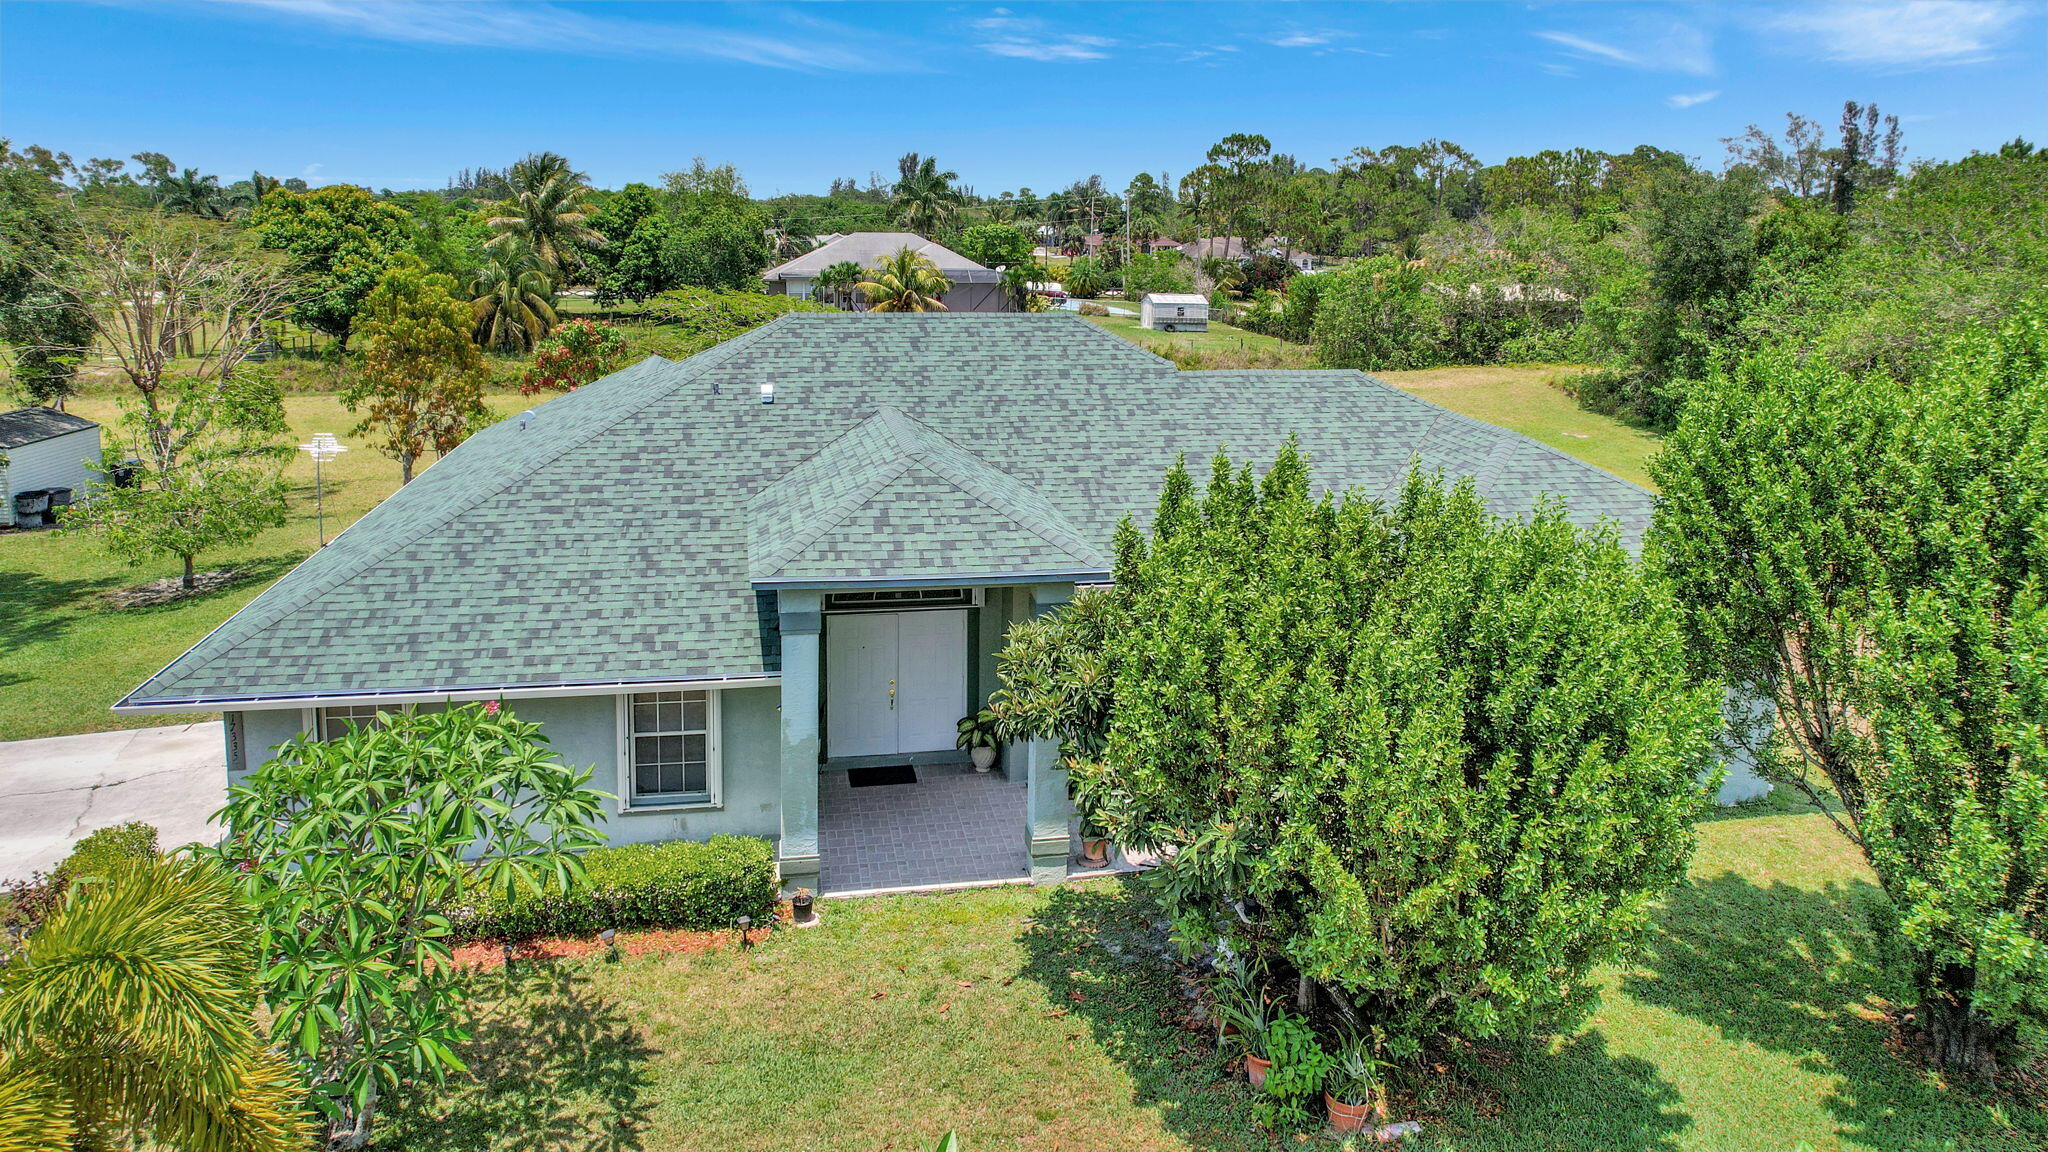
(45,451)
(1174,312)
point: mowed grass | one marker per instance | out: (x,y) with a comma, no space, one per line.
(1524,397)
(1218,340)
(1053,1019)
(69,655)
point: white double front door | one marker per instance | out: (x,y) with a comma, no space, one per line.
(895,682)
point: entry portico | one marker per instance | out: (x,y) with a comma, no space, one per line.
(866,685)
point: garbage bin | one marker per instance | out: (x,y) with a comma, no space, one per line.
(60,499)
(32,508)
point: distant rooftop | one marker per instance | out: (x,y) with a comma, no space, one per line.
(867,249)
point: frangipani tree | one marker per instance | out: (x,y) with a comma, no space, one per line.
(1436,764)
(353,846)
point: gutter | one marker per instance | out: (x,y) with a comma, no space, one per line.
(432,695)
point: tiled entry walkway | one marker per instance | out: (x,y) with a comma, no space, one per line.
(955,825)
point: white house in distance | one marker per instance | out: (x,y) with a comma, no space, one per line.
(47,452)
(975,288)
(1174,312)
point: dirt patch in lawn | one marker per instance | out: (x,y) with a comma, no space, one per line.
(172,588)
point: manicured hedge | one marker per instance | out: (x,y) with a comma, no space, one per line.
(675,884)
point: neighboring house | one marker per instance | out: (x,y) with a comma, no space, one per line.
(1228,248)
(1093,243)
(740,603)
(975,288)
(43,451)
(1174,312)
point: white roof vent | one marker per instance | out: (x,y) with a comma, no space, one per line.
(767,393)
(525,418)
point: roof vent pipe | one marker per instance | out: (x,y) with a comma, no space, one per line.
(767,393)
(525,418)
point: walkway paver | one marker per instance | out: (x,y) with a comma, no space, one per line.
(56,790)
(954,826)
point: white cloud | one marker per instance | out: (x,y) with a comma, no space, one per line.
(310,170)
(1900,36)
(1024,38)
(1298,40)
(1653,46)
(1688,99)
(800,42)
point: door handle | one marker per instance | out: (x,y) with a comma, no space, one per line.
(892,695)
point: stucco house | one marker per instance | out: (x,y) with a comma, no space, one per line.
(975,288)
(746,584)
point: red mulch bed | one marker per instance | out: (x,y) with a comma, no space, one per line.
(488,954)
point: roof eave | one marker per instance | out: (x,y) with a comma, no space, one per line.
(947,580)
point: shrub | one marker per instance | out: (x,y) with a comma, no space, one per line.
(30,902)
(574,355)
(675,884)
(96,853)
(684,321)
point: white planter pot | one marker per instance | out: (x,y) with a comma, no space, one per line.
(983,758)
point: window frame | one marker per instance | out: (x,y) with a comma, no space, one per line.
(714,758)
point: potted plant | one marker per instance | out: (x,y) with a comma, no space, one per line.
(1243,1015)
(978,737)
(1094,843)
(802,911)
(1351,1092)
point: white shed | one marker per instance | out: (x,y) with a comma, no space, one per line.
(45,451)
(1174,312)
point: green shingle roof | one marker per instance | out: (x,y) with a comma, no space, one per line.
(894,499)
(634,529)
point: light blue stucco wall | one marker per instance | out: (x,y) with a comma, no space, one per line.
(583,731)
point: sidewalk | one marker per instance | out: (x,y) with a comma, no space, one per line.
(56,790)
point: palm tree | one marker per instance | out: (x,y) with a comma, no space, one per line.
(191,192)
(513,297)
(245,201)
(835,280)
(549,214)
(906,282)
(130,1014)
(925,199)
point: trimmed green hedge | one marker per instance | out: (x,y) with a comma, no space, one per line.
(674,884)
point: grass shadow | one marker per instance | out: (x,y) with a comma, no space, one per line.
(1101,951)
(552,1066)
(1800,972)
(36,602)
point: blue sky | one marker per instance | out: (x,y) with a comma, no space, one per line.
(391,94)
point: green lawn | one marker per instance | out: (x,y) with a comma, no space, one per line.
(1048,1019)
(69,655)
(1523,397)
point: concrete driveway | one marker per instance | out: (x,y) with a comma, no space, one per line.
(56,790)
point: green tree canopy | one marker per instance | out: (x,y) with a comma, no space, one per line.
(1866,554)
(1436,763)
(211,473)
(419,377)
(340,239)
(995,245)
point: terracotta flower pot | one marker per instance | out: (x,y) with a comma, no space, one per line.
(1255,1069)
(1345,1117)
